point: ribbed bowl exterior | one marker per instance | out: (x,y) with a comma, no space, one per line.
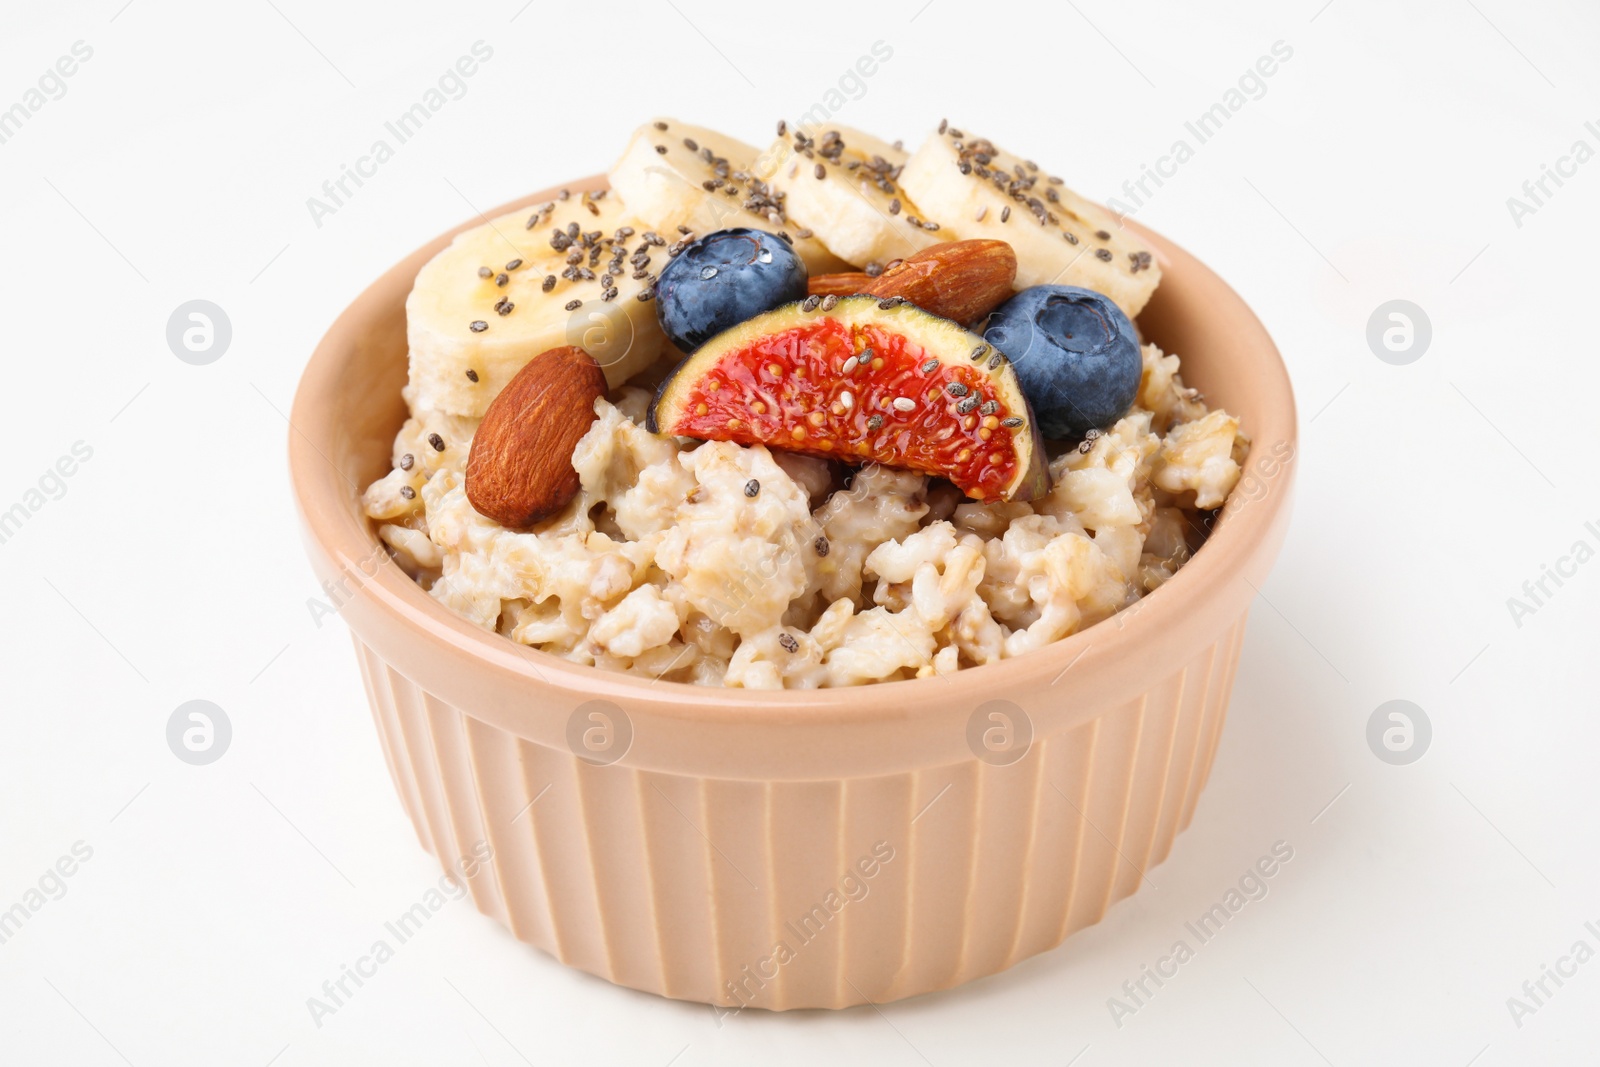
(718,890)
(798,848)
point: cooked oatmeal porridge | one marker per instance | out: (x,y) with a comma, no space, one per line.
(667,565)
(916,429)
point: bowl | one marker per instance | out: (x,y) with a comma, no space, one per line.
(796,849)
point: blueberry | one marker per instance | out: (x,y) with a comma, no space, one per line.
(1075,353)
(723,279)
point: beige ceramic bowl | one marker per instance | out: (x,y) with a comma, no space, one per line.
(797,849)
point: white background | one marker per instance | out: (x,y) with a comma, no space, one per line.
(1376,166)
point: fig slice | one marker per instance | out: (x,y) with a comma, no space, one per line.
(863,380)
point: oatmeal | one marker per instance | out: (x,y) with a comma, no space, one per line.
(861,472)
(668,565)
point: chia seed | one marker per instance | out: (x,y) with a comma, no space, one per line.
(751,488)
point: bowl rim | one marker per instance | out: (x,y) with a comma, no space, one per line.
(321,495)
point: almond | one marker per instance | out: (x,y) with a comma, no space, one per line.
(959,280)
(838,284)
(520,469)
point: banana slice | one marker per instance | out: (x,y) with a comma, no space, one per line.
(672,175)
(974,190)
(568,272)
(843,188)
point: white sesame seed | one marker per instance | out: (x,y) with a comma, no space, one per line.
(847,400)
(903,404)
(850,365)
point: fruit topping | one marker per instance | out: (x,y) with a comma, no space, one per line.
(520,469)
(843,187)
(975,189)
(863,380)
(1075,353)
(683,179)
(723,279)
(959,280)
(576,269)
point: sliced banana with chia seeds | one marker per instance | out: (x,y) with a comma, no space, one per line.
(975,190)
(577,270)
(673,175)
(843,187)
